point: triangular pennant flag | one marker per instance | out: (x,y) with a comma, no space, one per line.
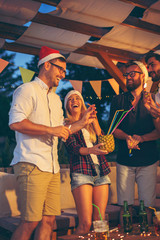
(3,64)
(114,85)
(96,85)
(26,74)
(77,85)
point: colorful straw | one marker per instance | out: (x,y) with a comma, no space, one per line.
(122,119)
(154,210)
(98,211)
(113,120)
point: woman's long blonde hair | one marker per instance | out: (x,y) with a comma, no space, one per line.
(70,119)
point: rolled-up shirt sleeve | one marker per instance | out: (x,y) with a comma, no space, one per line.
(22,104)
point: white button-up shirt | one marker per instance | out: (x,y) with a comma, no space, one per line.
(33,101)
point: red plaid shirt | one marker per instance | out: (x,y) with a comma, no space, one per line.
(83,163)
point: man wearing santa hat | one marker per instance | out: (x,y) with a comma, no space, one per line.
(36,116)
(138,134)
(153,64)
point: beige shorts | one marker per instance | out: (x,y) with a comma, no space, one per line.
(39,192)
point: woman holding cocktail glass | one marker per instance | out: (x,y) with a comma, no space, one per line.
(88,166)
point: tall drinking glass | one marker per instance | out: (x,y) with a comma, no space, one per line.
(101,229)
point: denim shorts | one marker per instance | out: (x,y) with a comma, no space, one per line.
(78,179)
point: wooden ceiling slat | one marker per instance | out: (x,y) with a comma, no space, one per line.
(16,47)
(70,25)
(49,2)
(10,31)
(93,31)
(16,31)
(142,25)
(140,3)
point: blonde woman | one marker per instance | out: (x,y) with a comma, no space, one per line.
(88,166)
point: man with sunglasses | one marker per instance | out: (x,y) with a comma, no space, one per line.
(136,132)
(37,117)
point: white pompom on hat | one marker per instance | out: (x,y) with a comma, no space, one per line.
(47,54)
(143,69)
(71,93)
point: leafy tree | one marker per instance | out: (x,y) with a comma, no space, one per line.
(32,65)
(9,80)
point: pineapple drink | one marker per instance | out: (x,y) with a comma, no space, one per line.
(108,141)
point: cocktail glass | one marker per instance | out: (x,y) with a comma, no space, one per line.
(101,229)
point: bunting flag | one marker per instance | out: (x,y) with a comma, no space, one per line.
(77,85)
(114,85)
(3,64)
(96,85)
(26,74)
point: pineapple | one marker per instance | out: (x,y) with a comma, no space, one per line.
(108,141)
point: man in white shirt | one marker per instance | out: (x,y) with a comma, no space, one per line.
(37,117)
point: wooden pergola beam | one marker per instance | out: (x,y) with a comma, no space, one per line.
(112,69)
(91,53)
(114,52)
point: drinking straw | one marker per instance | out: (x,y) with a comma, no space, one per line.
(113,120)
(154,210)
(98,211)
(122,119)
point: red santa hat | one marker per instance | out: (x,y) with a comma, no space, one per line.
(47,54)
